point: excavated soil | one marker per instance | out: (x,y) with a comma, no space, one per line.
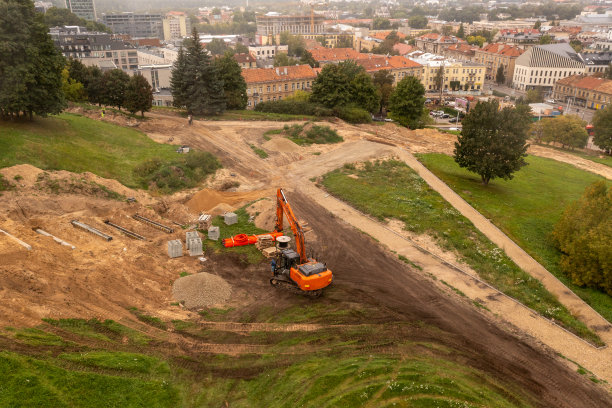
(372,276)
(214,201)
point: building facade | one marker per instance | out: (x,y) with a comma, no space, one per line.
(398,66)
(176,25)
(493,56)
(461,52)
(543,65)
(464,76)
(83,8)
(584,91)
(271,25)
(274,84)
(135,25)
(435,43)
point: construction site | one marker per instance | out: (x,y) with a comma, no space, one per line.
(262,276)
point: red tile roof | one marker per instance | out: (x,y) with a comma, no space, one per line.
(403,48)
(378,63)
(587,82)
(244,58)
(503,49)
(336,54)
(381,35)
(257,75)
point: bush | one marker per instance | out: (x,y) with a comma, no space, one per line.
(294,107)
(352,114)
(583,234)
(323,134)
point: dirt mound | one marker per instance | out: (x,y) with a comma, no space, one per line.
(281,145)
(202,289)
(207,200)
(264,212)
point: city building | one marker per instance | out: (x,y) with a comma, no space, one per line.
(462,76)
(272,24)
(596,62)
(487,25)
(543,65)
(435,43)
(400,67)
(245,60)
(272,84)
(335,55)
(522,39)
(461,51)
(42,6)
(136,25)
(264,52)
(493,56)
(83,8)
(176,25)
(584,91)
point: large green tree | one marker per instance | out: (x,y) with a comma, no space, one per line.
(30,65)
(138,95)
(417,22)
(500,77)
(407,102)
(383,80)
(307,58)
(567,130)
(196,82)
(602,124)
(234,85)
(364,93)
(217,46)
(115,84)
(493,143)
(584,236)
(331,87)
(281,59)
(62,16)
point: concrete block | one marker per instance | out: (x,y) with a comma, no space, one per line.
(175,248)
(230,218)
(194,245)
(191,234)
(214,233)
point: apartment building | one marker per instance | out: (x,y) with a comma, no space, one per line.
(596,62)
(264,52)
(83,8)
(461,51)
(400,67)
(493,56)
(176,25)
(584,91)
(458,75)
(245,60)
(273,84)
(272,24)
(543,65)
(435,43)
(334,55)
(136,25)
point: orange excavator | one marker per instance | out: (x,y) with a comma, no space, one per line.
(292,268)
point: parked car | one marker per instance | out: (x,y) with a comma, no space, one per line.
(453,120)
(445,116)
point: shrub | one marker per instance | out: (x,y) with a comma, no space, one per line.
(352,114)
(294,107)
(323,134)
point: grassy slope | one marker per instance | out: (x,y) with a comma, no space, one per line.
(392,190)
(526,208)
(335,372)
(76,143)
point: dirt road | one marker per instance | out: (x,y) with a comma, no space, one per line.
(373,276)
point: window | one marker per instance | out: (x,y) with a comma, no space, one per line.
(293,86)
(268,89)
(286,87)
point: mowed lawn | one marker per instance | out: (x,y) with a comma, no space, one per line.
(78,144)
(526,208)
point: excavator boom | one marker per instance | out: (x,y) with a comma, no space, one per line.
(283,207)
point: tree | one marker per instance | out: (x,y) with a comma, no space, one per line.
(461,31)
(138,95)
(546,39)
(331,87)
(493,142)
(73,90)
(55,17)
(283,60)
(217,46)
(602,125)
(94,85)
(344,42)
(363,92)
(418,22)
(476,40)
(196,81)
(567,130)
(537,25)
(115,85)
(576,45)
(407,102)
(383,80)
(30,65)
(380,23)
(536,131)
(439,79)
(240,48)
(500,77)
(534,95)
(447,29)
(295,44)
(234,85)
(307,58)
(178,83)
(583,235)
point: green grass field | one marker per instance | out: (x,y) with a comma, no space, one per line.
(78,144)
(526,208)
(323,368)
(390,189)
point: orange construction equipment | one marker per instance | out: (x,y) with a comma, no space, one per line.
(293,268)
(244,239)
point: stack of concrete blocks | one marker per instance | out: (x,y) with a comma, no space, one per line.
(204,221)
(264,241)
(175,248)
(194,243)
(230,218)
(214,233)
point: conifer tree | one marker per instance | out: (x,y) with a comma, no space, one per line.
(234,85)
(138,95)
(177,80)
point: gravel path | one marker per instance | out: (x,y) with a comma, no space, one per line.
(202,289)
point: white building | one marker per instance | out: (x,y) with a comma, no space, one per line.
(543,65)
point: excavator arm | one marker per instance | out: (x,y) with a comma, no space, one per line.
(283,206)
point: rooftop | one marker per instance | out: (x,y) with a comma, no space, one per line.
(503,49)
(257,75)
(587,82)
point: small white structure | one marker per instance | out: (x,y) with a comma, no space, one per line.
(175,248)
(230,218)
(214,233)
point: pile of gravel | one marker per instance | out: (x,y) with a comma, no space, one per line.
(202,289)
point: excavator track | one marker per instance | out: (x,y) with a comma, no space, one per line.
(279,282)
